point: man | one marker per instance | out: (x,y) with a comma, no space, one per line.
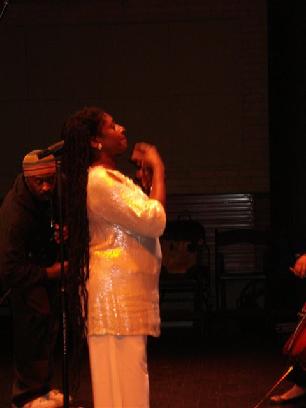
(28,268)
(297,376)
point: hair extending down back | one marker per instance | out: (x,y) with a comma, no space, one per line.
(77,132)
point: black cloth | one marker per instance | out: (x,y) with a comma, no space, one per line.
(26,248)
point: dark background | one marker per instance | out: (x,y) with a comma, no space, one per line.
(188,76)
(287,74)
(219,86)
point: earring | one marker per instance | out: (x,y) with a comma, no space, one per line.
(99,147)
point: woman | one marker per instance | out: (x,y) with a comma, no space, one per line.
(114,256)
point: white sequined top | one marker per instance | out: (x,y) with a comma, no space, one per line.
(125,256)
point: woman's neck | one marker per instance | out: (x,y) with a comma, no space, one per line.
(105,161)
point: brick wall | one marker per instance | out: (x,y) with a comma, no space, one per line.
(190,76)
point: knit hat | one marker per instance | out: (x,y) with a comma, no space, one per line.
(33,166)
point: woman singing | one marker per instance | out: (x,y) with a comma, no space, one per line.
(114,254)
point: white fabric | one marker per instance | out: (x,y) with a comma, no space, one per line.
(125,256)
(119,371)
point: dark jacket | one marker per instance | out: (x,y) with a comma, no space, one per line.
(25,238)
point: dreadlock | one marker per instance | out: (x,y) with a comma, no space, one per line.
(77,132)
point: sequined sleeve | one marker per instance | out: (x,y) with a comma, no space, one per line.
(118,200)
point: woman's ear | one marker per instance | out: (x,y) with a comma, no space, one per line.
(96,144)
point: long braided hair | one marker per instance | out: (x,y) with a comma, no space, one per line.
(77,132)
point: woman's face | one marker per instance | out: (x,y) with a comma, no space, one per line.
(113,136)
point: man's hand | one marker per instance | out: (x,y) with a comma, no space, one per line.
(299,268)
(54,271)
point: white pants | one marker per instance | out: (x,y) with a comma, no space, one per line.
(119,373)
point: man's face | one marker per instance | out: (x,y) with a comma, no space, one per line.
(41,186)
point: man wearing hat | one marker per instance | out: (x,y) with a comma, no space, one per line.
(28,268)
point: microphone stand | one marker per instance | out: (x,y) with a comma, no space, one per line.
(5,4)
(65,374)
(56,150)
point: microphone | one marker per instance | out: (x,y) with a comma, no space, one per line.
(56,149)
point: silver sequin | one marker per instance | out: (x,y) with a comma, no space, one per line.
(125,256)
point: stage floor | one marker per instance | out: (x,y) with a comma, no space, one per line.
(226,368)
